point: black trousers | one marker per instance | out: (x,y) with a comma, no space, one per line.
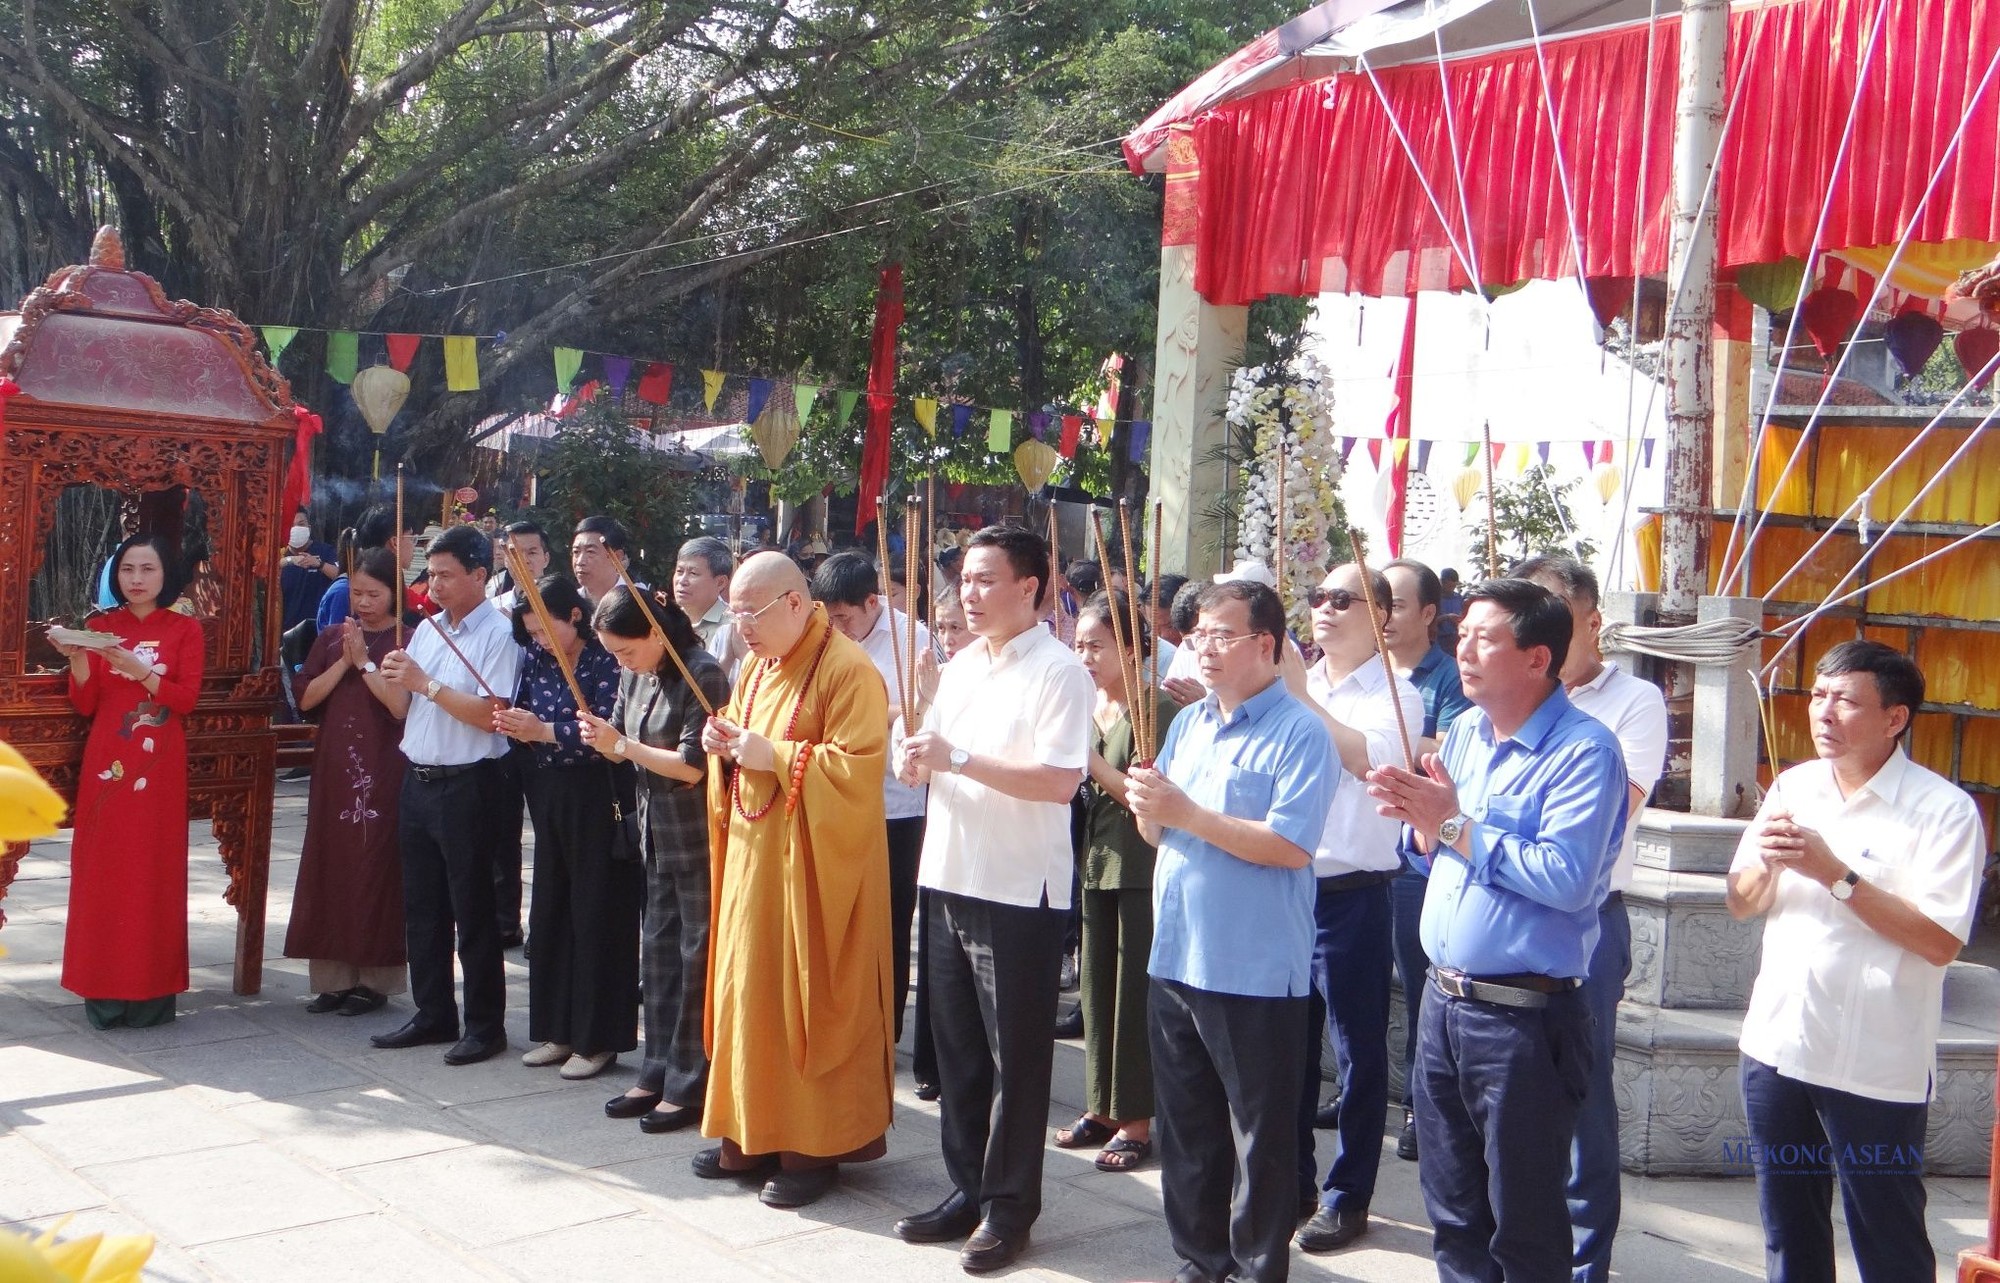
(1226,1075)
(446,831)
(993,970)
(906,849)
(583,980)
(510,803)
(1351,963)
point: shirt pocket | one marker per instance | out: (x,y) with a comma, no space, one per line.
(1246,794)
(1517,813)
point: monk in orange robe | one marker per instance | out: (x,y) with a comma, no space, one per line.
(800,976)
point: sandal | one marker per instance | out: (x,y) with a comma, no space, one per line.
(1124,1154)
(1085,1133)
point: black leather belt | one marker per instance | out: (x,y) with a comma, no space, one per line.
(1356,881)
(1527,991)
(432,774)
(1616,897)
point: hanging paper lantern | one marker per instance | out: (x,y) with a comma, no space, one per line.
(380,391)
(1772,286)
(1465,486)
(1609,297)
(1911,338)
(1829,316)
(1036,462)
(1500,291)
(1607,482)
(1976,349)
(776,430)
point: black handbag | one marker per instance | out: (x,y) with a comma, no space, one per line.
(627,843)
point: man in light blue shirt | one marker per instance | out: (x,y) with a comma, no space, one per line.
(1522,816)
(1236,803)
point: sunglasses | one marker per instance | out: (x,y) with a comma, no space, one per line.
(1339,598)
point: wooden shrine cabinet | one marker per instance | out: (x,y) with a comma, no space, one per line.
(137,414)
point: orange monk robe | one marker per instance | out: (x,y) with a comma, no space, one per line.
(800,980)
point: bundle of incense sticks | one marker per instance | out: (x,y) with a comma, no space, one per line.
(913,542)
(531,593)
(1770,729)
(1492,519)
(883,582)
(396,542)
(1153,586)
(1139,699)
(660,636)
(1128,653)
(1381,644)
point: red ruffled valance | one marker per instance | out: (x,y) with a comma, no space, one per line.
(1306,189)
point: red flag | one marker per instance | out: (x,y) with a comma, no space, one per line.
(657,383)
(403,350)
(1072,432)
(881,395)
(298,478)
(1398,429)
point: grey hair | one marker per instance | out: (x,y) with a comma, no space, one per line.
(711,550)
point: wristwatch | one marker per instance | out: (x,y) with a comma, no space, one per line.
(1843,890)
(1448,831)
(431,689)
(959,757)
(619,747)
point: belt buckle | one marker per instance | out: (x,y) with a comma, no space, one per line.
(1451,982)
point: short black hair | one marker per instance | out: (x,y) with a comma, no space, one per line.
(846,579)
(534,528)
(1536,616)
(1429,591)
(467,544)
(379,564)
(1027,554)
(1577,579)
(1170,587)
(1447,574)
(1267,613)
(711,550)
(605,528)
(1085,578)
(172,580)
(618,614)
(1185,605)
(950,558)
(1099,609)
(377,526)
(1897,677)
(563,598)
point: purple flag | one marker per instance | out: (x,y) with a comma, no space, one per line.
(960,416)
(1423,456)
(1141,434)
(1646,451)
(760,392)
(1038,423)
(1542,449)
(617,369)
(1346,448)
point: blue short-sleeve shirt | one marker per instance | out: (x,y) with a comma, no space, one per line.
(1221,923)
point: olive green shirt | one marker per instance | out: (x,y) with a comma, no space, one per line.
(1115,857)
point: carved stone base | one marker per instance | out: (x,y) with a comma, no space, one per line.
(1687,951)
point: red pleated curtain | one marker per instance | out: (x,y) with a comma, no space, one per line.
(1307,188)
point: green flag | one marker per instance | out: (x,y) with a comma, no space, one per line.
(343,355)
(803,396)
(849,398)
(277,338)
(569,360)
(1000,432)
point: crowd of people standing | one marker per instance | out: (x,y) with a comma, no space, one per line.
(767,806)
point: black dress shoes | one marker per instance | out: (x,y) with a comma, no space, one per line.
(658,1122)
(1327,1116)
(327,1002)
(1330,1230)
(1192,1273)
(359,1002)
(1070,1026)
(956,1217)
(707,1164)
(631,1106)
(797,1189)
(470,1051)
(414,1034)
(927,1091)
(988,1249)
(1406,1144)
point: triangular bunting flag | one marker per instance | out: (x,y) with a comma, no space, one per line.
(1646,451)
(711,388)
(1423,456)
(1375,453)
(277,338)
(1038,423)
(926,411)
(1104,423)
(803,396)
(1399,450)
(1589,453)
(1542,451)
(1346,448)
(1139,435)
(1072,432)
(1000,432)
(617,369)
(1604,452)
(656,384)
(760,392)
(961,415)
(569,360)
(1471,453)
(843,405)
(1499,449)
(343,355)
(1517,458)
(461,363)
(402,350)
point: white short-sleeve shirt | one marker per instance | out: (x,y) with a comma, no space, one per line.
(899,800)
(1029,702)
(1835,1003)
(1634,710)
(1356,839)
(433,737)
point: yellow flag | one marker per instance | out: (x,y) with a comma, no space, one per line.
(1517,457)
(711,387)
(926,407)
(461,363)
(1399,449)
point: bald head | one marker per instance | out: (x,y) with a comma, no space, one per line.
(772,603)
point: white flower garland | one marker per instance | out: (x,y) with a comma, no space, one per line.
(1293,405)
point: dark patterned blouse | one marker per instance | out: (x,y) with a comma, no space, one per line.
(544,693)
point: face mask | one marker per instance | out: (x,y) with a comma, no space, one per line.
(300,534)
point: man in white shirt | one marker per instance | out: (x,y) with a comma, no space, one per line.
(450,799)
(1635,711)
(1866,867)
(848,586)
(597,552)
(1354,864)
(701,588)
(1003,749)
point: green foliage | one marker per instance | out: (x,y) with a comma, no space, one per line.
(598,464)
(1533,515)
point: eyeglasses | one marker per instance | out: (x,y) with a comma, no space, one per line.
(1338,598)
(750,616)
(1203,640)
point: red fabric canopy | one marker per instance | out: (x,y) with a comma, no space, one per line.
(1307,189)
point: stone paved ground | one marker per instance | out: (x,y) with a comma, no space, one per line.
(259,1143)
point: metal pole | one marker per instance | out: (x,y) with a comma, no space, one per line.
(1687,525)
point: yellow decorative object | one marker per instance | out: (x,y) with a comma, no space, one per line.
(1925,270)
(29,808)
(1607,482)
(94,1258)
(380,391)
(926,408)
(1465,487)
(1036,462)
(776,430)
(1792,498)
